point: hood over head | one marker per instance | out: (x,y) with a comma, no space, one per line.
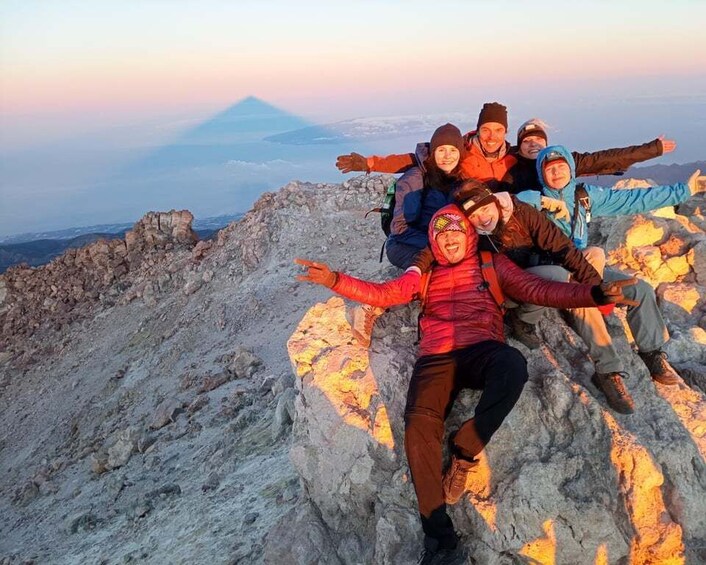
(506,205)
(567,194)
(552,153)
(448,218)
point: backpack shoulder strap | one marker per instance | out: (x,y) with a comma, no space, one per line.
(423,287)
(490,276)
(582,196)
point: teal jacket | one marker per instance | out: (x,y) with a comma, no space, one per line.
(603,201)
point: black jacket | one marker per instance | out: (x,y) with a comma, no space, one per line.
(523,174)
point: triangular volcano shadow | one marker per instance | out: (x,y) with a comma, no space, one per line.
(234,133)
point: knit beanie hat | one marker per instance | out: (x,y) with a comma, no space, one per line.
(533,126)
(472,195)
(448,134)
(448,221)
(492,112)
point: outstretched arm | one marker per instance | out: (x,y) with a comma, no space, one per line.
(617,160)
(614,202)
(526,287)
(401,290)
(389,164)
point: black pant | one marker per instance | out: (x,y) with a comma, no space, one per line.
(401,254)
(497,369)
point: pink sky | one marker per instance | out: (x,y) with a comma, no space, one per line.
(68,66)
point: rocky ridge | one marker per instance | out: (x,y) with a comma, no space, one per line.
(194,404)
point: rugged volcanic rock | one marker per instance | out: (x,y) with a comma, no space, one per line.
(565,480)
(201,406)
(68,288)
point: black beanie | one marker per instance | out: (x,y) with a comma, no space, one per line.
(448,134)
(472,195)
(492,112)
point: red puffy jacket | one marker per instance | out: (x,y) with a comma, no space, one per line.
(459,310)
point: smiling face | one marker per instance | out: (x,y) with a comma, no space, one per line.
(485,219)
(446,157)
(491,136)
(532,145)
(453,245)
(557,174)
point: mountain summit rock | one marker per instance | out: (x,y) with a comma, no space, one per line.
(205,407)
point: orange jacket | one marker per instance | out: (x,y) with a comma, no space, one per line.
(473,166)
(476,166)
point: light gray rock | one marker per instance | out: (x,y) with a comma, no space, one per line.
(698,261)
(125,445)
(284,413)
(83,522)
(245,363)
(167,412)
(574,461)
(300,538)
(563,479)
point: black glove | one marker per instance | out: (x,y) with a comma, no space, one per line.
(318,273)
(352,162)
(612,292)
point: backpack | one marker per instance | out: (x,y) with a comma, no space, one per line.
(387,208)
(490,283)
(387,211)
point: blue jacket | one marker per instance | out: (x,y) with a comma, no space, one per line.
(414,206)
(603,201)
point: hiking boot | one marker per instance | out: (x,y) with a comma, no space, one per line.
(454,481)
(522,331)
(660,370)
(435,555)
(611,384)
(362,321)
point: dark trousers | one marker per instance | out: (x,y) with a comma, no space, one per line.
(497,369)
(400,254)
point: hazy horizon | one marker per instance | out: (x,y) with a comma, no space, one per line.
(89,91)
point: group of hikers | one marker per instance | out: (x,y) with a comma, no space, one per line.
(490,234)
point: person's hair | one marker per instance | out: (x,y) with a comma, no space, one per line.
(505,229)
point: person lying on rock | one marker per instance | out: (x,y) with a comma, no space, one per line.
(461,346)
(556,169)
(490,156)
